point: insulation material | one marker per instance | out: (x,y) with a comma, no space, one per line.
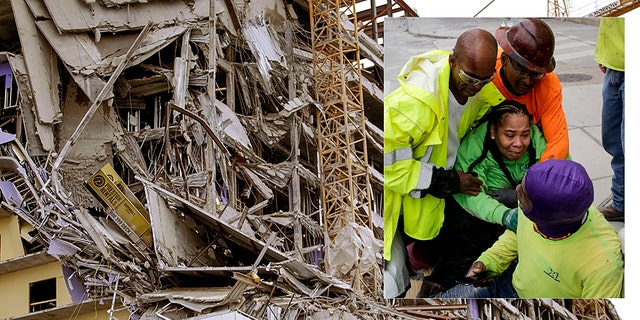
(353,250)
(74,284)
(266,51)
(10,194)
(59,248)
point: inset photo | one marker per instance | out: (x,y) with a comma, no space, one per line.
(504,161)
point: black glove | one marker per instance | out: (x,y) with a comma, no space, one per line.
(505,196)
(444,182)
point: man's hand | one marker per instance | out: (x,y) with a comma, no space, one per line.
(602,68)
(469,184)
(477,271)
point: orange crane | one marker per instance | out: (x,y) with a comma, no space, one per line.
(558,8)
(617,8)
(342,143)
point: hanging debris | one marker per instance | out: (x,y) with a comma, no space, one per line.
(168,158)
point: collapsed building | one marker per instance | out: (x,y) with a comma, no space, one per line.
(158,145)
(173,157)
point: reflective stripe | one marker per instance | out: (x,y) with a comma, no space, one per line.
(424,180)
(427,155)
(398,155)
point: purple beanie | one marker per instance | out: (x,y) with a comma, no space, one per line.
(561,193)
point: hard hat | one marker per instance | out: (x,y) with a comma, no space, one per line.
(530,42)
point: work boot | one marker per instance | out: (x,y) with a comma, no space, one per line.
(610,213)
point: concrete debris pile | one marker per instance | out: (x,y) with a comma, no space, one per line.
(508,309)
(149,146)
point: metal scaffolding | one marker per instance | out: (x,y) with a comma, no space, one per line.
(557,8)
(342,145)
(591,309)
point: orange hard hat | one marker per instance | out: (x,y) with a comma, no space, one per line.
(530,42)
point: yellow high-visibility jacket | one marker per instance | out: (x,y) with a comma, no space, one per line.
(415,136)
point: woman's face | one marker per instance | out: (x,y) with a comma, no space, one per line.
(512,135)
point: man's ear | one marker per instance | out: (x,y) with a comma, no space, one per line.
(503,58)
(452,61)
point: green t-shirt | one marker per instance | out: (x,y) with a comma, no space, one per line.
(588,264)
(610,43)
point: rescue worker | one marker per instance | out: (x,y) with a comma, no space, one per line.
(610,57)
(441,94)
(525,74)
(564,246)
(499,150)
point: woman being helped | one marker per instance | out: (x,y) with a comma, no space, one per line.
(499,150)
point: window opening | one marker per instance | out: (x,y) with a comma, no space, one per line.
(42,295)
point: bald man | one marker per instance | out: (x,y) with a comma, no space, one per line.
(441,95)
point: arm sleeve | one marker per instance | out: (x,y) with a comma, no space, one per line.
(554,124)
(502,253)
(403,139)
(481,206)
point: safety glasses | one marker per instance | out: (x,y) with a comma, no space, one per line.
(471,80)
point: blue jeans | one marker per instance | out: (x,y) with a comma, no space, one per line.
(613,131)
(501,287)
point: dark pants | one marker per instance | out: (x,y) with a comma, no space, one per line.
(501,287)
(461,240)
(613,131)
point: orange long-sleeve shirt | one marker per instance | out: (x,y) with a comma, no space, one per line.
(544,102)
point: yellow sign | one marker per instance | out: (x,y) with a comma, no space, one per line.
(131,214)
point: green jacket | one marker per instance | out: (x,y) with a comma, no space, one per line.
(484,206)
(415,136)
